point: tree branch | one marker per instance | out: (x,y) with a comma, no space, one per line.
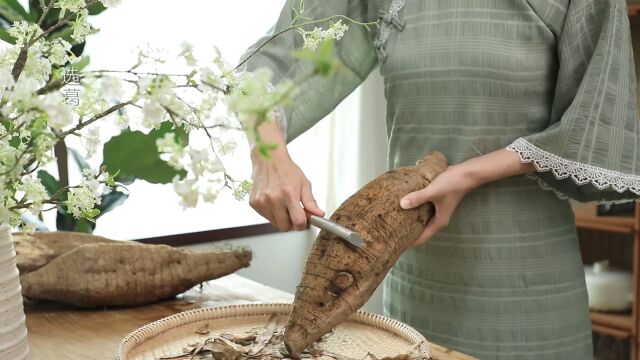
(93,119)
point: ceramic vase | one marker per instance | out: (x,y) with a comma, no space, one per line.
(13,330)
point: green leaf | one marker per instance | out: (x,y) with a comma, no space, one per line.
(15,5)
(15,142)
(65,220)
(38,126)
(49,182)
(35,10)
(111,179)
(136,155)
(82,63)
(84,226)
(11,10)
(4,36)
(96,8)
(79,159)
(112,200)
(91,214)
(65,34)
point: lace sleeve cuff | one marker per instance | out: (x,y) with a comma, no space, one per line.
(579,173)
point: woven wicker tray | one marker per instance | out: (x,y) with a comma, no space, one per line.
(362,333)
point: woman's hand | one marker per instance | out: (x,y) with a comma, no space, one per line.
(445,193)
(450,187)
(279,186)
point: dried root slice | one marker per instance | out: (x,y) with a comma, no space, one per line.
(269,345)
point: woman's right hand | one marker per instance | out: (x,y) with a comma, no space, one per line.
(280,192)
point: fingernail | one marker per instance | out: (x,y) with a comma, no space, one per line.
(405,203)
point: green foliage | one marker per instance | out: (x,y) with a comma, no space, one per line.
(64,219)
(11,10)
(135,155)
(96,8)
(4,36)
(82,63)
(50,183)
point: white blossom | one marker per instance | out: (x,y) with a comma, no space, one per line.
(38,65)
(255,97)
(210,195)
(122,120)
(24,91)
(210,80)
(6,79)
(33,189)
(91,140)
(81,26)
(60,52)
(69,5)
(168,145)
(152,114)
(144,84)
(187,191)
(83,199)
(24,31)
(313,38)
(204,161)
(60,114)
(187,53)
(111,87)
(242,190)
(35,208)
(110,3)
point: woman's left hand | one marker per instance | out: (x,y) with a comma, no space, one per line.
(450,187)
(445,192)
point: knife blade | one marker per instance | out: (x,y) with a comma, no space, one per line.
(340,231)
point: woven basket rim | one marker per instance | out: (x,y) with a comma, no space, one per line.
(157,327)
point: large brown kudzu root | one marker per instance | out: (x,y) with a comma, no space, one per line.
(127,273)
(338,278)
(35,250)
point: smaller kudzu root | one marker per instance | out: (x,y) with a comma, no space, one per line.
(127,273)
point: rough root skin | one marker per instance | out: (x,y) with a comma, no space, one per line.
(125,273)
(322,301)
(36,250)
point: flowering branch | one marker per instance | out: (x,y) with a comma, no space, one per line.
(93,119)
(300,28)
(172,107)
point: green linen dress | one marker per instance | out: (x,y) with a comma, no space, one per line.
(552,80)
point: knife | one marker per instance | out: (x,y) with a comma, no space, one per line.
(340,231)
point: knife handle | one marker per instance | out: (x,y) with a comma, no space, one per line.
(342,232)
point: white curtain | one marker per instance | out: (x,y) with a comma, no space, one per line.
(346,149)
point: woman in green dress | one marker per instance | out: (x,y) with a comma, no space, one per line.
(522,96)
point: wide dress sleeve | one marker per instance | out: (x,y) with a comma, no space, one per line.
(590,151)
(319,96)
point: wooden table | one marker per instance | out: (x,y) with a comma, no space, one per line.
(58,332)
